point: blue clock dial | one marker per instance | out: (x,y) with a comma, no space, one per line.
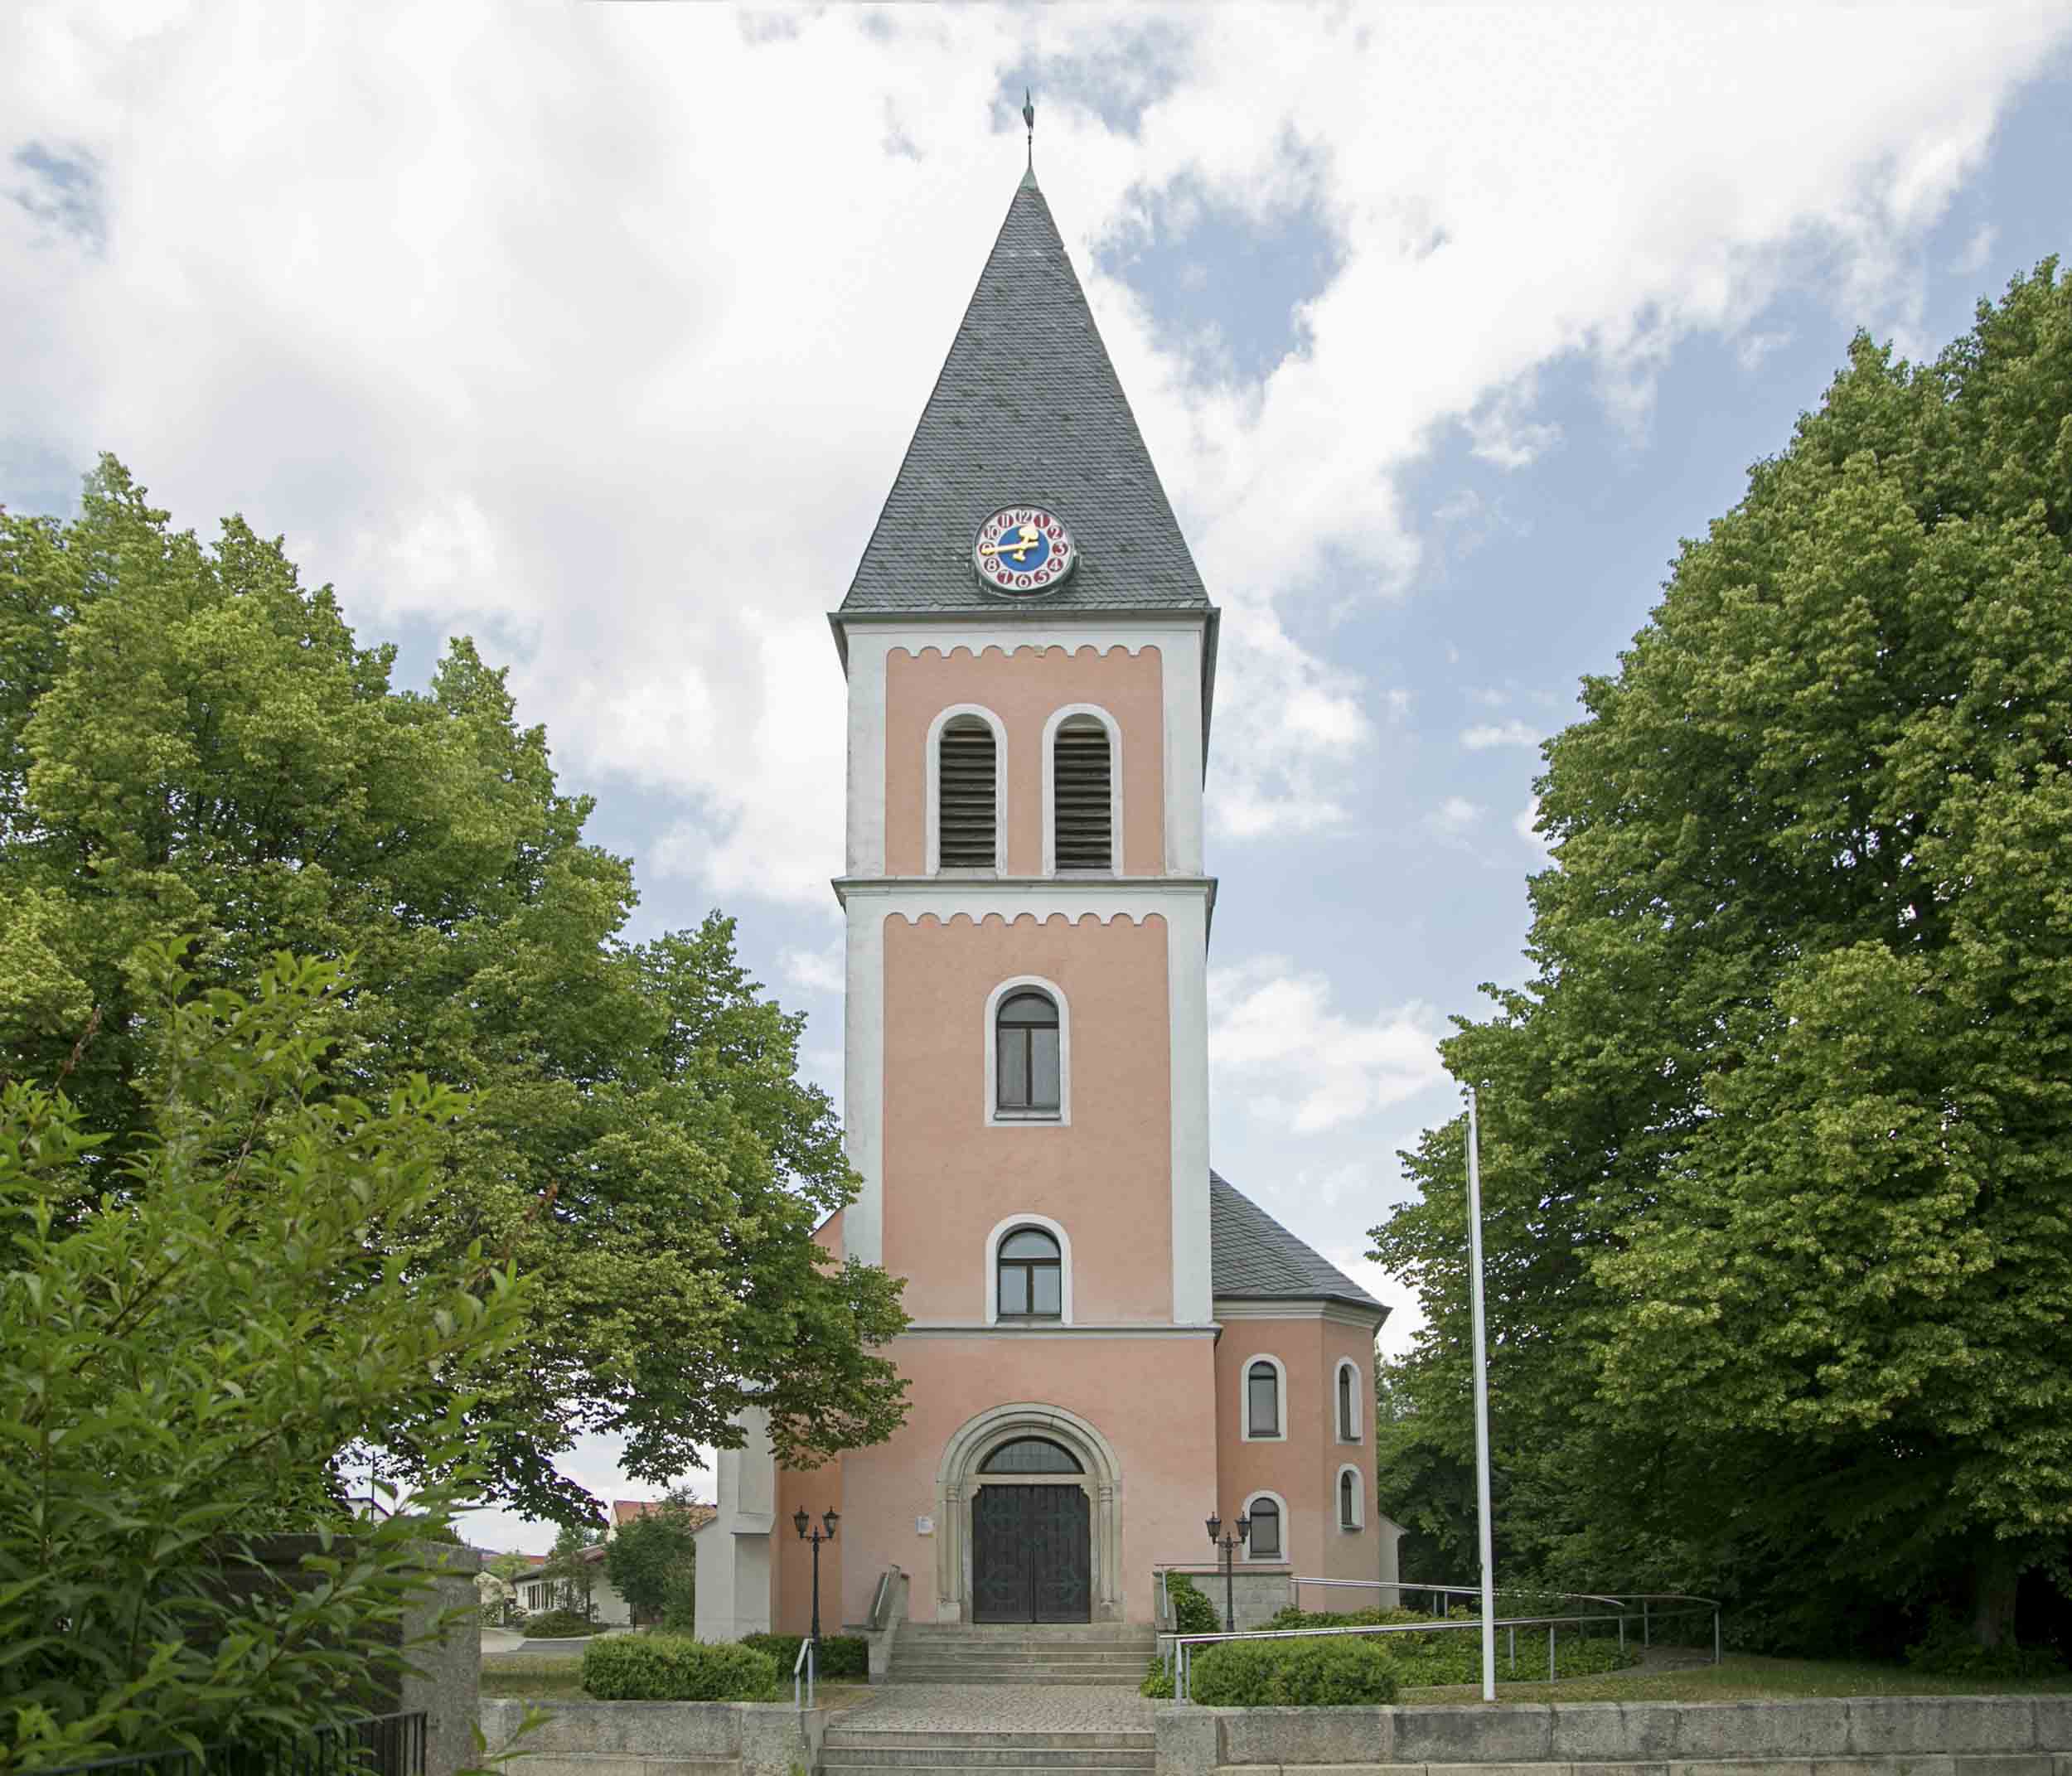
(1023,550)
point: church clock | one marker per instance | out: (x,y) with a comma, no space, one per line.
(1023,550)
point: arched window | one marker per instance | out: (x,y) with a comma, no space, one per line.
(1031,1283)
(1082,796)
(1349,1406)
(1348,1498)
(1026,1056)
(1031,1455)
(967,770)
(1265,1543)
(1262,1398)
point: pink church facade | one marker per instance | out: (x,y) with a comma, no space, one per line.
(1108,1343)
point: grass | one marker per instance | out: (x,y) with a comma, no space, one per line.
(535,1676)
(1744,1677)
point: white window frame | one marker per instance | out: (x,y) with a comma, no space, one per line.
(932,860)
(1282,1557)
(1056,1231)
(990,1084)
(1244,1400)
(1058,718)
(1359,1497)
(1350,1433)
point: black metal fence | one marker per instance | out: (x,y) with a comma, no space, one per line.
(380,1746)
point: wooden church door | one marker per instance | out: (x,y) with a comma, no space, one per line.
(1031,1554)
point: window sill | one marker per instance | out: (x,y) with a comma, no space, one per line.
(1029,1319)
(1028,1115)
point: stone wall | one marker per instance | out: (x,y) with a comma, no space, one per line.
(1898,1735)
(656,1739)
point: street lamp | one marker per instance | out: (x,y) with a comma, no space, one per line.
(1229,1545)
(799,1522)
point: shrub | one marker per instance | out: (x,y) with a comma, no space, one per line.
(1293,1673)
(558,1624)
(1292,1618)
(676,1668)
(840,1655)
(1948,1648)
(1158,1680)
(679,1603)
(1193,1613)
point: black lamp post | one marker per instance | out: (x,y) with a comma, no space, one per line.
(1229,1545)
(799,1522)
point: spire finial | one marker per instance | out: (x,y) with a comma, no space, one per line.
(1029,117)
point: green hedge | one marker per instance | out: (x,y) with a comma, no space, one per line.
(676,1668)
(1455,1656)
(840,1655)
(1293,1673)
(558,1624)
(1193,1613)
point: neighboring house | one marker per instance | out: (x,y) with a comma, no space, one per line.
(606,1607)
(1109,1342)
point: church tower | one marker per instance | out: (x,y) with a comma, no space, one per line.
(1030,654)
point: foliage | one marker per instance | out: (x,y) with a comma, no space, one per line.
(508,1567)
(1948,1649)
(839,1655)
(1777,1143)
(651,1558)
(197,1325)
(675,1668)
(570,1578)
(1158,1680)
(680,1602)
(1292,1673)
(194,746)
(1192,1612)
(557,1625)
(1284,1619)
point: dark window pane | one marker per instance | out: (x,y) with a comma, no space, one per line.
(1265,1529)
(1044,1092)
(1029,1243)
(1014,1069)
(1345,1500)
(1030,1008)
(1265,1401)
(1048,1296)
(1031,1455)
(1014,1289)
(1345,1403)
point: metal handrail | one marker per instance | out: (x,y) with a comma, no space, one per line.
(805,1658)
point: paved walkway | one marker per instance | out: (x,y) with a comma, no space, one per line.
(1007,1707)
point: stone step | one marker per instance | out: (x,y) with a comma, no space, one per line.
(1011,1739)
(1035,1678)
(1065,1652)
(982,1757)
(993,1769)
(1129,1631)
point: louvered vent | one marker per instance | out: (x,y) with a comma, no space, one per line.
(967,817)
(1085,837)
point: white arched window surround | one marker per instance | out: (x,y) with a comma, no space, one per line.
(933,861)
(1348,1432)
(1057,719)
(1359,1497)
(991,1084)
(1244,1400)
(1252,1499)
(992,1294)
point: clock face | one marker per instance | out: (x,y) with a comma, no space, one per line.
(1023,550)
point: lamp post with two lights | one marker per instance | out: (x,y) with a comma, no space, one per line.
(800,1520)
(1229,1545)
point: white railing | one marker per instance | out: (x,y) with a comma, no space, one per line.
(805,1660)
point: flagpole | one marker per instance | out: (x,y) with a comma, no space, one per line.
(1482,1408)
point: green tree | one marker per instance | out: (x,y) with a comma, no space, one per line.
(193,747)
(1778,1141)
(651,1561)
(572,1578)
(196,1336)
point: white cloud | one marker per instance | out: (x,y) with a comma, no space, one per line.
(1754,347)
(815,970)
(1279,1047)
(1484,735)
(1406,1315)
(1454,815)
(507,335)
(1978,250)
(1523,823)
(1488,697)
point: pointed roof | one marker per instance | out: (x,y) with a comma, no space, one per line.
(1253,1258)
(1028,410)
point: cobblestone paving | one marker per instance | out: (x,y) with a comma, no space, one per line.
(972,1707)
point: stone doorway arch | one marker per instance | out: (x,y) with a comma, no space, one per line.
(957,1480)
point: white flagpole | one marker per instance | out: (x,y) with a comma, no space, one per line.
(1482,1409)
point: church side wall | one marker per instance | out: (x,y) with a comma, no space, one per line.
(816,1490)
(1103,1177)
(1024,691)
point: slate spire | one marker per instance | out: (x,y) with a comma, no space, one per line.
(1028,410)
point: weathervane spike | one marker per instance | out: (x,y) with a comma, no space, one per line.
(1029,117)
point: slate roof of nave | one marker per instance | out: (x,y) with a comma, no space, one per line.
(1028,410)
(1252,1257)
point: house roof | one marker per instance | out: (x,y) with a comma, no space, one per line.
(626,1510)
(1028,410)
(1253,1258)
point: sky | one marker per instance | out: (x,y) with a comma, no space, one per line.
(597,332)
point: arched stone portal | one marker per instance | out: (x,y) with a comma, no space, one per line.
(957,1481)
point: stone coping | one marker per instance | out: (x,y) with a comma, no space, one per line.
(641,1739)
(1895,1732)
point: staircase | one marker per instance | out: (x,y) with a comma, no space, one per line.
(1011,1752)
(1100,1652)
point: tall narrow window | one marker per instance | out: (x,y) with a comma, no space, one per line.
(1030,1276)
(1262,1411)
(1026,1047)
(1082,802)
(1348,1502)
(1347,1432)
(965,819)
(1265,1530)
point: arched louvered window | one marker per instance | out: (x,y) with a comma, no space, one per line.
(1031,1276)
(1348,1501)
(1083,802)
(1025,1047)
(1262,1400)
(967,772)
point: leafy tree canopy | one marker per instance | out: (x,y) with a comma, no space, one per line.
(193,747)
(648,1559)
(1778,1141)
